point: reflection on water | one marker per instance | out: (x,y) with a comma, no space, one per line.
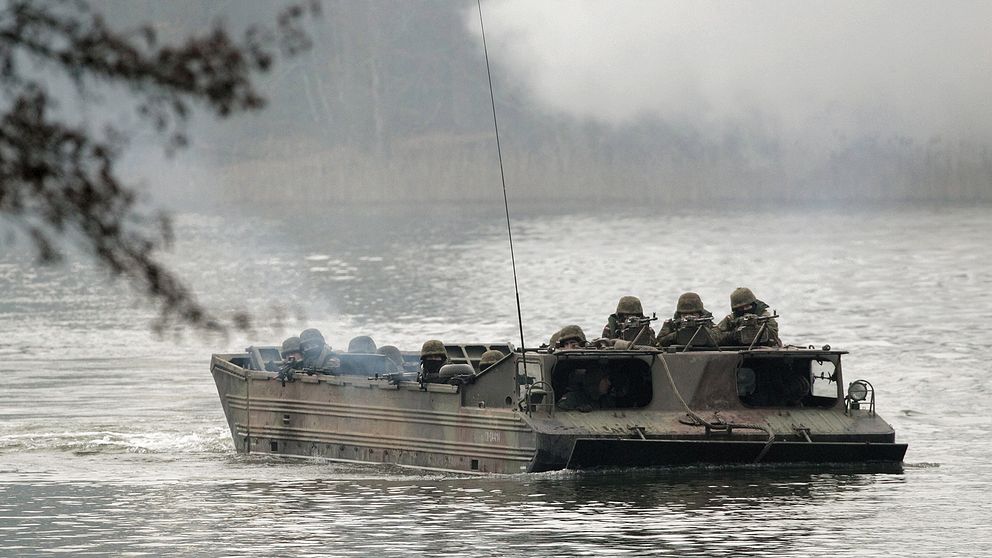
(113,441)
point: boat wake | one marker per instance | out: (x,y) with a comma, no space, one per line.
(210,440)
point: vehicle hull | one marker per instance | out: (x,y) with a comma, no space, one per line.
(693,417)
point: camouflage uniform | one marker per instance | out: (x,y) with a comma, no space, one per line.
(740,328)
(316,353)
(587,391)
(628,307)
(489,358)
(433,355)
(689,306)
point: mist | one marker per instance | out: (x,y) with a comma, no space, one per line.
(800,70)
(664,103)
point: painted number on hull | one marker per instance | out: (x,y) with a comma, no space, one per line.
(491,437)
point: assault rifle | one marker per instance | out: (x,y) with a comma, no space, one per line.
(290,368)
(287,373)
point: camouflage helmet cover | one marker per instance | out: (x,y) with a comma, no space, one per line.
(290,345)
(312,335)
(571,332)
(630,305)
(433,347)
(742,296)
(361,344)
(689,303)
(490,357)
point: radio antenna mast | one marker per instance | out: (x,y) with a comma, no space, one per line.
(502,177)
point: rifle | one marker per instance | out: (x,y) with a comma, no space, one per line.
(748,320)
(642,322)
(697,323)
(288,370)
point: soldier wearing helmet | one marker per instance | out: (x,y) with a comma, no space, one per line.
(626,323)
(432,357)
(290,356)
(489,358)
(393,355)
(570,337)
(317,354)
(689,313)
(362,344)
(291,351)
(741,326)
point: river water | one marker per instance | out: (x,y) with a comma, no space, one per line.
(113,441)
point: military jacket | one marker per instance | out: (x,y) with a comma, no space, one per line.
(739,330)
(614,326)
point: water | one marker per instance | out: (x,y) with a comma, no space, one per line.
(112,441)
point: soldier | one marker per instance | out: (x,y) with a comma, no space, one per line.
(688,312)
(290,355)
(587,391)
(394,356)
(570,337)
(291,351)
(432,358)
(489,358)
(316,353)
(741,326)
(362,344)
(627,322)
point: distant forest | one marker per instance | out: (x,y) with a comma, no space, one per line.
(392,105)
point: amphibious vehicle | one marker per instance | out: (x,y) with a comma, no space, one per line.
(680,405)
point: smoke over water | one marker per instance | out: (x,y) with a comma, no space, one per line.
(803,70)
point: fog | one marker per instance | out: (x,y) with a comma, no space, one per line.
(675,102)
(798,69)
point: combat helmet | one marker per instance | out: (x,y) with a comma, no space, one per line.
(433,347)
(311,341)
(571,332)
(290,345)
(689,303)
(489,358)
(392,353)
(362,344)
(742,296)
(630,305)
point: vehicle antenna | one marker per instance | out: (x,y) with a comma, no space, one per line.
(502,177)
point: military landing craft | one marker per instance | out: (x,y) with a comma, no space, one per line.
(681,405)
